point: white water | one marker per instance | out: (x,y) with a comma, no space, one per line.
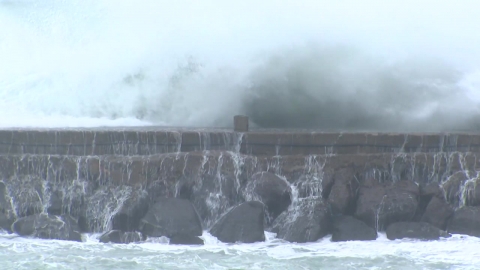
(457,252)
(197,63)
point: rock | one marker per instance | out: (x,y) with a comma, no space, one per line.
(347,228)
(212,183)
(379,206)
(272,190)
(185,240)
(472,192)
(344,191)
(452,187)
(307,220)
(27,193)
(7,215)
(211,195)
(128,217)
(68,199)
(466,220)
(437,213)
(415,230)
(309,186)
(6,222)
(243,223)
(48,227)
(169,217)
(119,237)
(56,204)
(101,206)
(432,190)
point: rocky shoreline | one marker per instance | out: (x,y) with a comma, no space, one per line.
(237,197)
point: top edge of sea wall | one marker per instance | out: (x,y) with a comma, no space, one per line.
(261,142)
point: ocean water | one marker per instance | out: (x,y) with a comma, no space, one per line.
(457,252)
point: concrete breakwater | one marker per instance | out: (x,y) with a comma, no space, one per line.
(148,182)
(151,141)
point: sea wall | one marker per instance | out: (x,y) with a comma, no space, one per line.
(110,179)
(150,141)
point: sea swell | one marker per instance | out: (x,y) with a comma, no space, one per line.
(457,252)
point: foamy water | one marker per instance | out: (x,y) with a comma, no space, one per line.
(457,252)
(197,63)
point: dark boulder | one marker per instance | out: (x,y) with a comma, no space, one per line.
(347,228)
(55,204)
(211,183)
(437,213)
(466,220)
(432,190)
(181,239)
(414,230)
(128,217)
(244,223)
(169,217)
(69,198)
(272,190)
(452,187)
(119,237)
(48,227)
(6,222)
(472,192)
(309,186)
(211,194)
(27,194)
(344,191)
(379,206)
(307,220)
(7,215)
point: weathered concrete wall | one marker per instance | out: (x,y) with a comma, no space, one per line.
(149,141)
(96,175)
(96,187)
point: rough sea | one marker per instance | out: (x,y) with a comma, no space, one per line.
(457,252)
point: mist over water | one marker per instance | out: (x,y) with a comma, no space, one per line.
(396,66)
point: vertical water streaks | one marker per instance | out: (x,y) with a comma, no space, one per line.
(310,183)
(131,164)
(205,141)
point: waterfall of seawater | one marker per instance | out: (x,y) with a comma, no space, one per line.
(95,189)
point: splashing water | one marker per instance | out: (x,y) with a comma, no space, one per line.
(316,64)
(458,252)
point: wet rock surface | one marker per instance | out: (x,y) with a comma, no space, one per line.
(119,237)
(48,227)
(414,230)
(472,192)
(453,187)
(170,217)
(438,213)
(347,228)
(381,205)
(131,212)
(307,221)
(244,223)
(182,239)
(343,193)
(7,214)
(272,190)
(466,220)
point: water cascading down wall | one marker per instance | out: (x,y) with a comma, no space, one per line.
(311,184)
